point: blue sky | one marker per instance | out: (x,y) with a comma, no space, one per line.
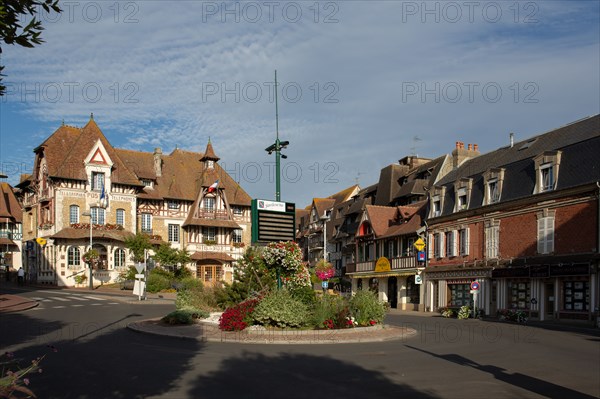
(361,83)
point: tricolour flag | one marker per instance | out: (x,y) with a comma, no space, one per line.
(213,186)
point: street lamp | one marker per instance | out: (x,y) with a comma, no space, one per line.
(277,147)
(324,219)
(91,276)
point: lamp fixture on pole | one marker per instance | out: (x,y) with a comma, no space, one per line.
(91,276)
(277,147)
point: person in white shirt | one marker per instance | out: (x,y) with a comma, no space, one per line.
(21,276)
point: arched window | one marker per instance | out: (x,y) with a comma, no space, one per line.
(73,257)
(74,214)
(119,258)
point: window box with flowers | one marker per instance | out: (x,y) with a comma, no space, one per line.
(238,245)
(209,242)
(46,226)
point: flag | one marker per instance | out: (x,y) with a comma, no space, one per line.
(103,200)
(213,186)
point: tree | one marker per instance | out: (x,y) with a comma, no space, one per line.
(138,244)
(12,13)
(168,256)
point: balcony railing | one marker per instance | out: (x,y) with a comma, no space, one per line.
(11,235)
(215,214)
(404,262)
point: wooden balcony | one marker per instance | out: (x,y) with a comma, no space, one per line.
(400,263)
(215,214)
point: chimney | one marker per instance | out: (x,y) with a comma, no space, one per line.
(460,154)
(158,162)
(512,139)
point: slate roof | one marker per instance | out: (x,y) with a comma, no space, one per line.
(579,143)
(10,210)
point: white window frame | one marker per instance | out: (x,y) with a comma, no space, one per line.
(451,243)
(97,181)
(493,191)
(437,207)
(547,170)
(146,223)
(120,217)
(545,235)
(208,204)
(173,232)
(464,241)
(98,215)
(236,236)
(73,214)
(492,240)
(173,204)
(119,258)
(73,257)
(209,233)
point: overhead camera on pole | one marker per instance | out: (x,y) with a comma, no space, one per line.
(276,148)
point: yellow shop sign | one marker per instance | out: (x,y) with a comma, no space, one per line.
(383,265)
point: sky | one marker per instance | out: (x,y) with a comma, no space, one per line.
(361,84)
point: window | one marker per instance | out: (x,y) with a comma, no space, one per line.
(451,243)
(97,181)
(119,258)
(437,200)
(147,182)
(462,201)
(210,164)
(236,236)
(173,204)
(545,244)
(208,233)
(492,238)
(238,211)
(210,273)
(98,215)
(462,188)
(464,242)
(519,295)
(173,233)
(209,204)
(546,169)
(73,257)
(547,177)
(146,222)
(577,295)
(438,243)
(460,295)
(121,217)
(437,210)
(73,214)
(493,192)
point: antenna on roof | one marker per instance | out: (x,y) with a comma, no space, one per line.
(356,179)
(92,116)
(413,149)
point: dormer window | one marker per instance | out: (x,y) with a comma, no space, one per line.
(209,204)
(493,182)
(210,164)
(437,208)
(546,167)
(437,201)
(462,200)
(173,204)
(97,181)
(147,183)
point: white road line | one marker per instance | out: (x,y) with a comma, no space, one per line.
(77,298)
(58,307)
(37,298)
(77,306)
(96,304)
(94,297)
(114,303)
(59,299)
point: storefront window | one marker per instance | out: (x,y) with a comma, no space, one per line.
(460,295)
(577,295)
(519,295)
(412,290)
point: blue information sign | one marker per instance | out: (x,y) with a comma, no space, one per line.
(421,256)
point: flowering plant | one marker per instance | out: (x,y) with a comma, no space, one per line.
(372,322)
(328,324)
(238,317)
(299,279)
(12,382)
(324,270)
(285,255)
(350,322)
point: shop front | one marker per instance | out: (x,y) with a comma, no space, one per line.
(451,288)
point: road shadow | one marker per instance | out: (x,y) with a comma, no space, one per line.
(254,375)
(116,364)
(532,384)
(20,327)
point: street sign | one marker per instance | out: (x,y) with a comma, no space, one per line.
(41,241)
(421,256)
(139,276)
(273,221)
(474,286)
(139,288)
(383,265)
(139,267)
(324,284)
(419,244)
(418,279)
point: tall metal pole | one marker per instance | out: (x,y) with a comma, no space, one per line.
(277,148)
(91,275)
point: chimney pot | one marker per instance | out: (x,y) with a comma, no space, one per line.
(457,145)
(512,139)
(475,147)
(469,147)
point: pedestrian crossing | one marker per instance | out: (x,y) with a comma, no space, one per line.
(64,300)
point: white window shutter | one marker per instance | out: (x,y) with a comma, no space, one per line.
(541,247)
(454,242)
(430,243)
(549,234)
(442,245)
(467,241)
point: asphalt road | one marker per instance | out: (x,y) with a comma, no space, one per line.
(90,354)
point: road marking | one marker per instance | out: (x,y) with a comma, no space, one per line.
(58,307)
(95,297)
(96,304)
(114,303)
(59,299)
(78,298)
(77,306)
(37,298)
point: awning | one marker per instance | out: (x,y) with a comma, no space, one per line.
(214,256)
(399,273)
(7,241)
(70,233)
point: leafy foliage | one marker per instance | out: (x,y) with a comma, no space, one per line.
(185,315)
(330,311)
(168,256)
(238,317)
(464,312)
(366,308)
(280,309)
(138,244)
(158,280)
(197,296)
(11,28)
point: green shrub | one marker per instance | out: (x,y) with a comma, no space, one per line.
(157,282)
(280,309)
(306,295)
(186,315)
(464,312)
(366,308)
(329,307)
(198,297)
(190,283)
